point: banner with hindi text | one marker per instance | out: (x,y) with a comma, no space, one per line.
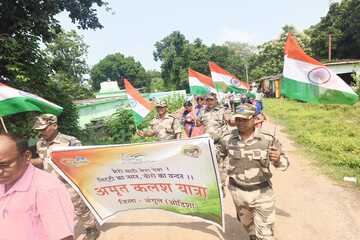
(179,176)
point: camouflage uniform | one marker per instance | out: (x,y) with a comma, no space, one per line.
(216,126)
(44,148)
(249,181)
(165,128)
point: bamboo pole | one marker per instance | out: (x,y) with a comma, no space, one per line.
(3,124)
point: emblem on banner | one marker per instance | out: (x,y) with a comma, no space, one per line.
(191,151)
(132,158)
(75,162)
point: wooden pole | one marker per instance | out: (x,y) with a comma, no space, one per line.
(3,124)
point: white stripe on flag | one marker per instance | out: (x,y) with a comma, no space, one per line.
(7,92)
(299,70)
(218,77)
(137,107)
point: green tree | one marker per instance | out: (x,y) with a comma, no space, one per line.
(173,52)
(26,23)
(199,56)
(177,54)
(37,18)
(117,67)
(24,65)
(156,82)
(66,56)
(343,22)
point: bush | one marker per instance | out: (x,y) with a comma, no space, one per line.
(330,132)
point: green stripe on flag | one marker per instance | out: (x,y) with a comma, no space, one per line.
(234,89)
(137,118)
(315,94)
(26,104)
(199,91)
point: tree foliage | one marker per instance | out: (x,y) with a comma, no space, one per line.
(66,55)
(156,82)
(173,52)
(37,18)
(116,67)
(177,54)
(343,22)
(56,75)
(270,57)
(26,23)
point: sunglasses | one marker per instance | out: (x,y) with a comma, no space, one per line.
(200,99)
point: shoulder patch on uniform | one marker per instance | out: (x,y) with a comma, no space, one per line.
(267,135)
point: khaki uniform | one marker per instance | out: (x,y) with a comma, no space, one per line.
(165,128)
(44,148)
(249,181)
(216,126)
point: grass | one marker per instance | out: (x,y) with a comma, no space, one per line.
(329,133)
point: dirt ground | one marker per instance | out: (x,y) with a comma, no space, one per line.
(309,206)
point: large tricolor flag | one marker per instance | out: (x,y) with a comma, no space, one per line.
(200,84)
(13,101)
(225,81)
(139,105)
(307,79)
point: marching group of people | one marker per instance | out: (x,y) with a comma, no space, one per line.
(244,152)
(42,205)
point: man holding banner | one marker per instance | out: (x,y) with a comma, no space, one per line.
(164,126)
(50,138)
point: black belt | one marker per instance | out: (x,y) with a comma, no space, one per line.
(248,188)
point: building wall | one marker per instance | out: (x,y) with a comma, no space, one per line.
(101,108)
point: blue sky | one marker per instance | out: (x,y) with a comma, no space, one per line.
(136,25)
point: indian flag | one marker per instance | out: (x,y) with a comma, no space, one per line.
(306,79)
(225,81)
(14,101)
(200,84)
(139,105)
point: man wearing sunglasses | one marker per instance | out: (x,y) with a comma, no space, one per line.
(164,126)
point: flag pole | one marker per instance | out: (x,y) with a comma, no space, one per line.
(3,124)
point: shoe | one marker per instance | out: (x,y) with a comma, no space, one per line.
(252,237)
(91,234)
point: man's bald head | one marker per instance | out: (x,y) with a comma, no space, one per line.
(14,158)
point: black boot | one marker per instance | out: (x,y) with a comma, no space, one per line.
(92,234)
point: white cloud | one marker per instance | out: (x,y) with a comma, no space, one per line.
(234,35)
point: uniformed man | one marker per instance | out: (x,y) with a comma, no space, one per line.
(51,137)
(249,155)
(164,126)
(214,118)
